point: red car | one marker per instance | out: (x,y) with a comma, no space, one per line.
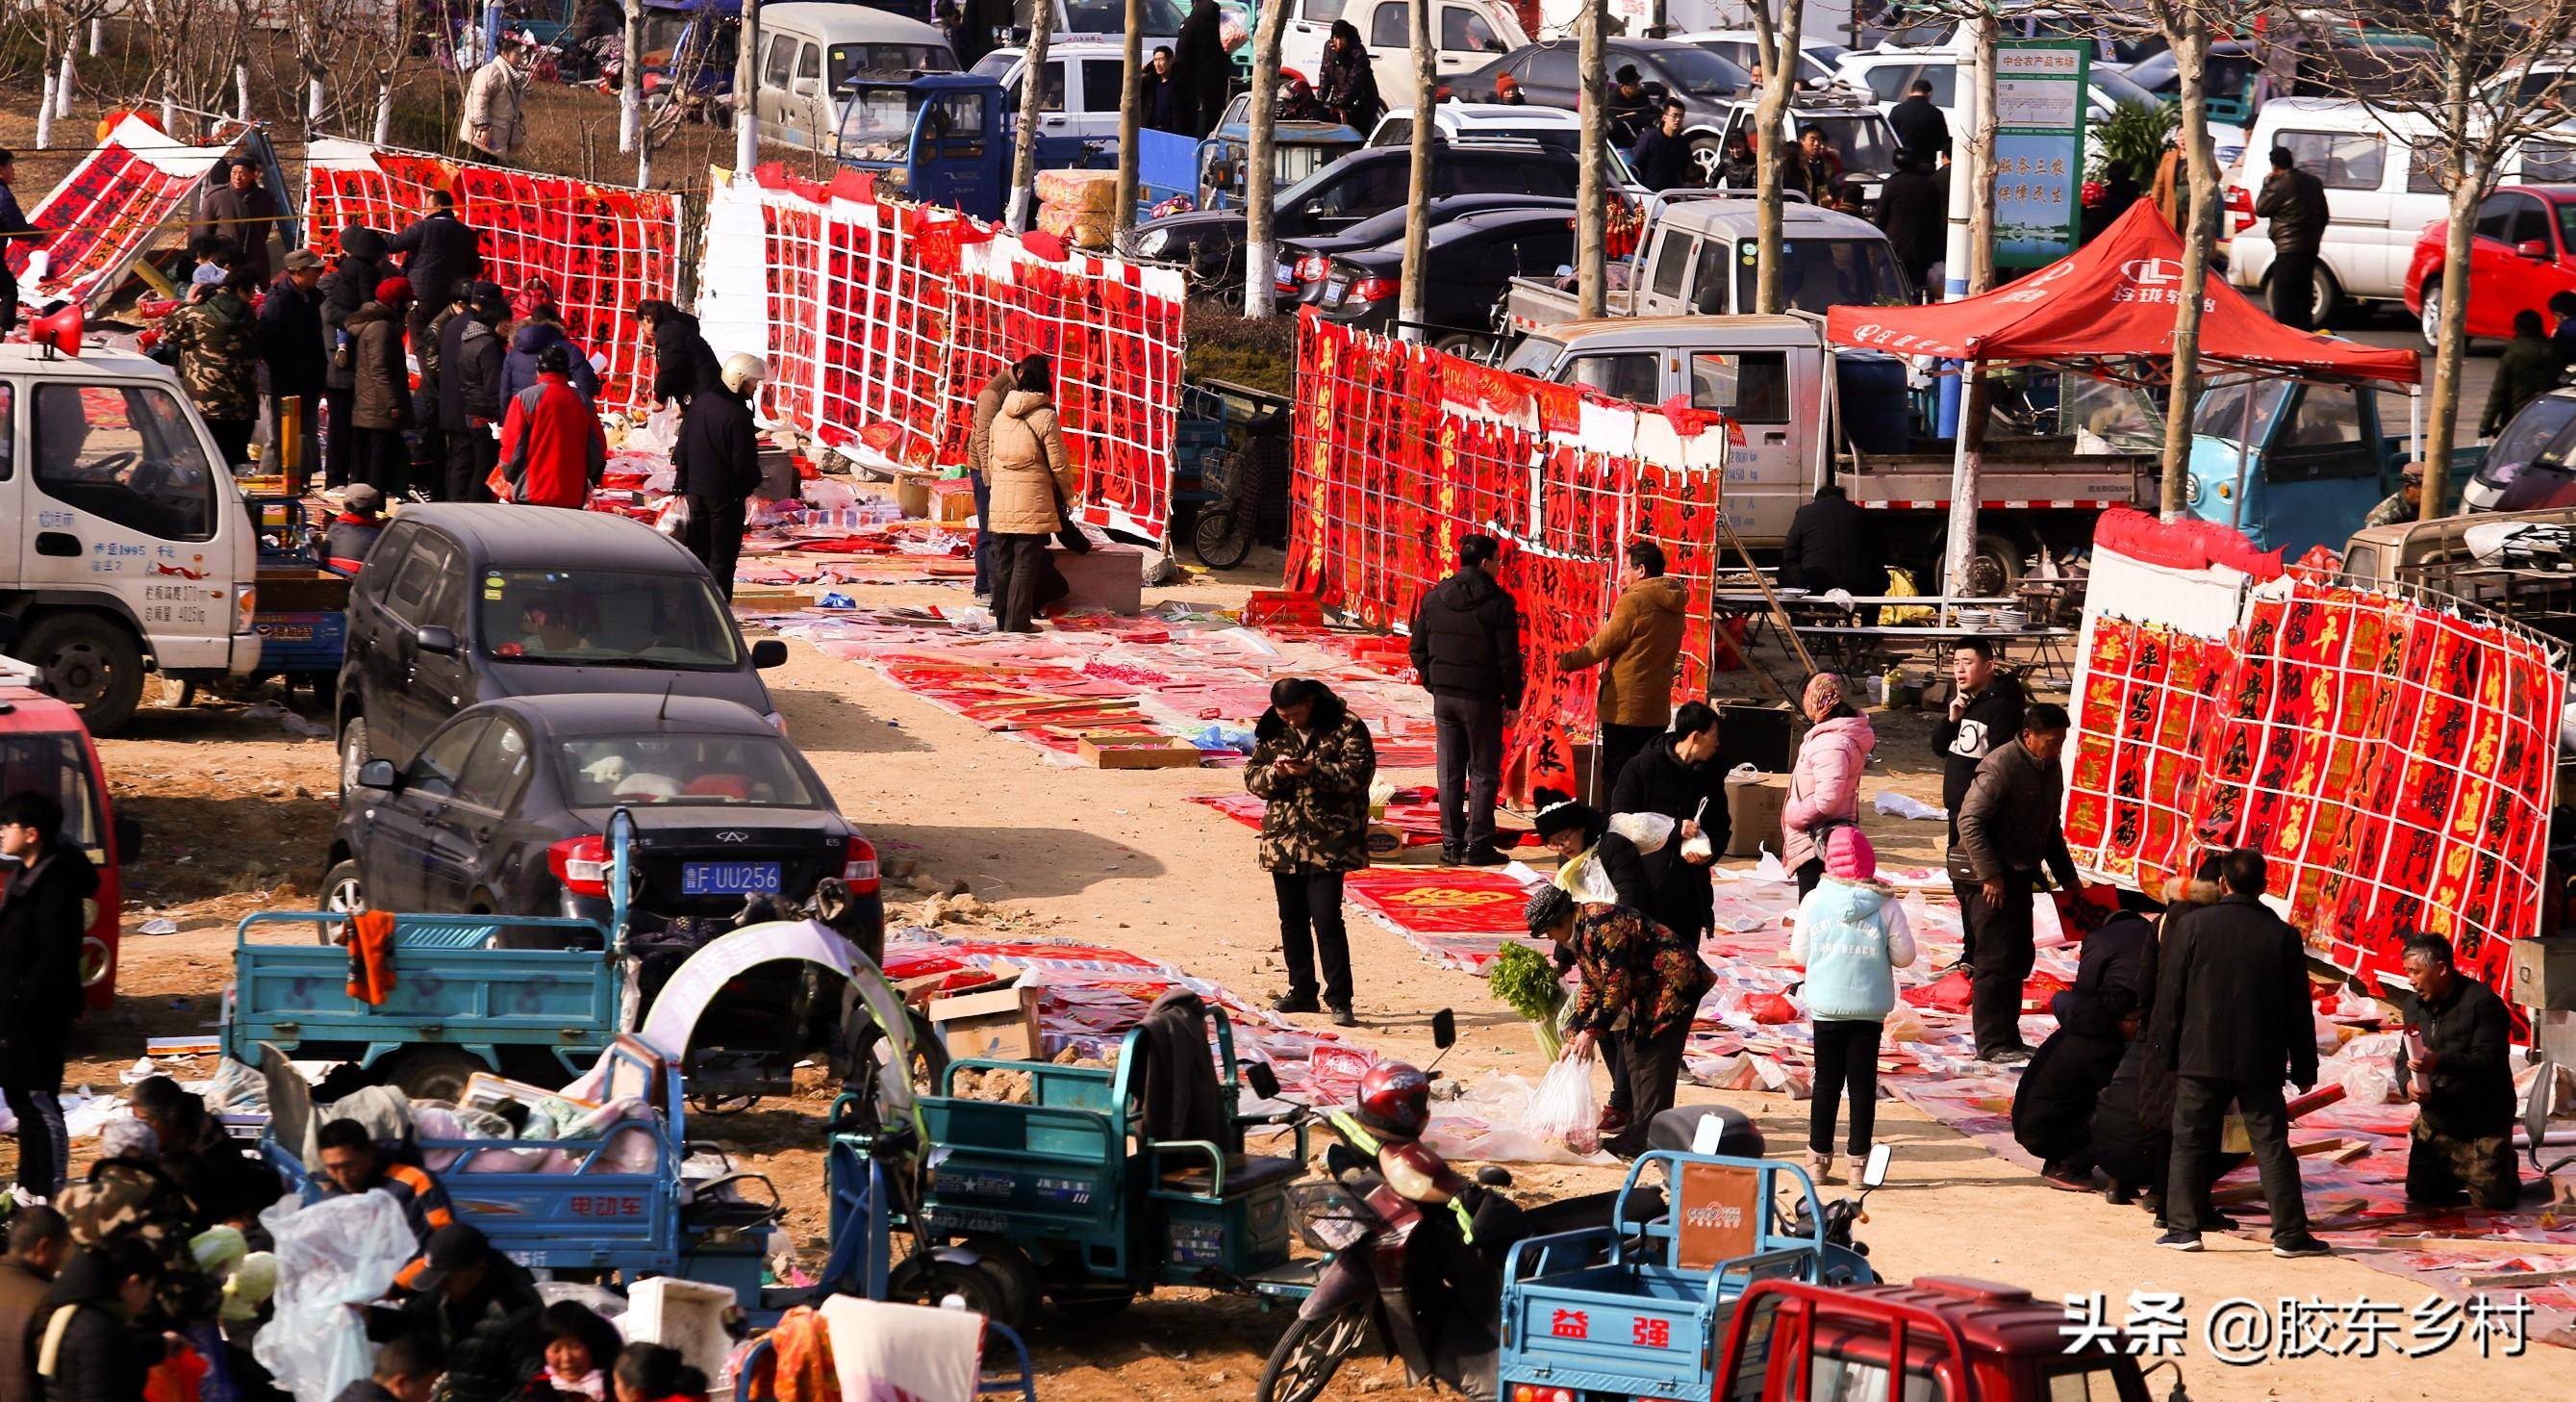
(2524,250)
(44,746)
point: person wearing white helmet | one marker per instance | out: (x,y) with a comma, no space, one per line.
(717,464)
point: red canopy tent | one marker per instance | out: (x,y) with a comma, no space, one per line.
(2110,300)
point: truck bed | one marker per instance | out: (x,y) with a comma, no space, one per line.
(1531,303)
(2017,474)
(302,589)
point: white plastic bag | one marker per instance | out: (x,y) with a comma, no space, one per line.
(1649,831)
(673,519)
(339,1252)
(1564,1110)
(658,434)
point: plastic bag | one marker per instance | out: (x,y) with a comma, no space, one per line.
(673,519)
(337,1253)
(1649,831)
(1564,1110)
(658,434)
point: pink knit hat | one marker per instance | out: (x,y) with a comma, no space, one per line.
(1848,855)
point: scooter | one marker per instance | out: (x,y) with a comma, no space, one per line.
(1846,1256)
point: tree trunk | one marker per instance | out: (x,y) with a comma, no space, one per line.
(313,104)
(241,93)
(1417,222)
(746,86)
(1592,185)
(1260,243)
(1123,218)
(385,109)
(1981,161)
(1024,149)
(2201,167)
(2442,414)
(97,36)
(64,84)
(45,108)
(1771,152)
(630,81)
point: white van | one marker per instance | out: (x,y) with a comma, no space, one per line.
(1086,81)
(2380,192)
(1469,33)
(128,544)
(809,51)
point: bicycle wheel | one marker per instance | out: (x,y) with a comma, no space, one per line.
(1218,542)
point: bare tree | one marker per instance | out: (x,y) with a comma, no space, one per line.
(1260,164)
(1592,184)
(1417,220)
(55,28)
(2459,85)
(1778,43)
(1024,154)
(1132,56)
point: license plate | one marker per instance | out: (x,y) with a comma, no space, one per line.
(729,878)
(1333,291)
(287,632)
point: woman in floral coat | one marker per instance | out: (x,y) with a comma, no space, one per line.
(1312,763)
(1635,975)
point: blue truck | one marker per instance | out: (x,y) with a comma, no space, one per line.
(945,139)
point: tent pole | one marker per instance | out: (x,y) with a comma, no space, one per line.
(2415,419)
(1966,463)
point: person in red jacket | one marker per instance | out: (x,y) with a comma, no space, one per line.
(552,450)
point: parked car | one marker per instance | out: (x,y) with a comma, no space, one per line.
(811,54)
(461,604)
(2227,85)
(1364,183)
(2381,192)
(1085,83)
(1851,124)
(1467,34)
(44,748)
(505,809)
(1741,48)
(2528,467)
(1546,73)
(2522,251)
(1471,260)
(1303,263)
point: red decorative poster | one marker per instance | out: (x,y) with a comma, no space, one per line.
(111,205)
(1400,450)
(603,248)
(2396,762)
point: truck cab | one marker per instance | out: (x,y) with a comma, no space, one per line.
(1955,1340)
(1697,256)
(128,546)
(815,57)
(942,138)
(2291,464)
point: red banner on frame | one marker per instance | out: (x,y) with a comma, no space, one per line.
(138,183)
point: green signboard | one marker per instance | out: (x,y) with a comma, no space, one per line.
(2041,91)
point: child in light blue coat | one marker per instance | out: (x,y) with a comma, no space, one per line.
(1852,938)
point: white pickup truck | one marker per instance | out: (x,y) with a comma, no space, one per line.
(1697,256)
(2057,453)
(127,545)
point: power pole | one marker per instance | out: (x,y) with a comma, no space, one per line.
(1971,270)
(1024,155)
(1592,188)
(746,92)
(1417,222)
(1260,245)
(1123,218)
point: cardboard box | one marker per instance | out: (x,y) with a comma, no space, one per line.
(998,1026)
(1138,752)
(953,499)
(1753,809)
(771,599)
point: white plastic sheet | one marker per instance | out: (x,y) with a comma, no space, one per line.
(337,1253)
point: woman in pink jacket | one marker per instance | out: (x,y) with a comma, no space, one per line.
(1824,786)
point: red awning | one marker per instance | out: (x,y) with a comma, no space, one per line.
(2114,297)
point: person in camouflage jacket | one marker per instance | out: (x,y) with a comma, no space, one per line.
(126,1195)
(1630,968)
(214,344)
(1311,765)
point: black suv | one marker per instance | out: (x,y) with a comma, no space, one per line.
(1367,182)
(460,604)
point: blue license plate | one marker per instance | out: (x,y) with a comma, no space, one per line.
(728,878)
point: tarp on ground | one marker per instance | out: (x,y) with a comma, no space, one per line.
(138,182)
(602,248)
(2112,299)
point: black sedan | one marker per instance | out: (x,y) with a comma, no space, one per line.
(1547,77)
(1303,261)
(506,806)
(1472,259)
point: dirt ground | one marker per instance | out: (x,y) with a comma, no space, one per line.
(236,809)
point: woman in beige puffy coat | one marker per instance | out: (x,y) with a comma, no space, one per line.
(1030,479)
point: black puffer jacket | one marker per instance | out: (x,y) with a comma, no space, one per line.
(290,339)
(439,252)
(1467,639)
(1832,545)
(41,928)
(683,363)
(100,1357)
(349,285)
(470,388)
(718,455)
(1658,780)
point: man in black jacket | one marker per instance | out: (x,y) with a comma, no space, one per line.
(479,1308)
(1920,128)
(439,251)
(1679,776)
(2231,1014)
(1831,545)
(2461,1082)
(1985,712)
(290,343)
(717,465)
(1198,52)
(2052,1109)
(1467,652)
(407,1369)
(470,355)
(2295,203)
(2010,830)
(41,927)
(1661,158)
(683,362)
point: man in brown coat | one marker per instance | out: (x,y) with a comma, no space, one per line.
(39,1239)
(1634,649)
(979,466)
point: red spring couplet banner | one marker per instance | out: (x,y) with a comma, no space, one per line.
(2395,760)
(601,248)
(882,319)
(1401,450)
(112,204)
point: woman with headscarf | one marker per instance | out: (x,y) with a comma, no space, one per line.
(1346,83)
(1636,976)
(1312,763)
(1824,785)
(1597,863)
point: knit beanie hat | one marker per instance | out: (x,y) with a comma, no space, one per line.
(1848,855)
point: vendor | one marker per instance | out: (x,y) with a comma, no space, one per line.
(2403,505)
(2461,1083)
(1634,974)
(353,532)
(353,1163)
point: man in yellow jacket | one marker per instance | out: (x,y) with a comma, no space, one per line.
(1635,650)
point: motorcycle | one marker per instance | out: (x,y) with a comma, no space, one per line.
(1846,1257)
